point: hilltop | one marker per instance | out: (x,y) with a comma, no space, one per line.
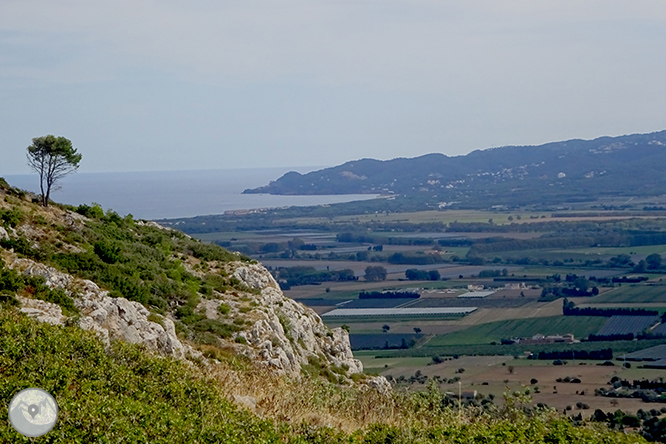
(557,172)
(158,337)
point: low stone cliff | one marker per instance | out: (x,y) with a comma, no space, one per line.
(278,332)
(286,332)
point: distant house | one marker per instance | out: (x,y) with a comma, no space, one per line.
(541,339)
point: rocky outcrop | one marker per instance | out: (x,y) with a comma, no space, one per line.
(42,311)
(111,318)
(381,384)
(118,318)
(281,333)
(287,334)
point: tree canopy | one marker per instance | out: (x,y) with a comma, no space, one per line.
(375,273)
(53,158)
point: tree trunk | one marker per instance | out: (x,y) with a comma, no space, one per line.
(45,201)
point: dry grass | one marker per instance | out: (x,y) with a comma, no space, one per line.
(320,403)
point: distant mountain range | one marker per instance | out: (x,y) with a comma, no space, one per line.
(569,171)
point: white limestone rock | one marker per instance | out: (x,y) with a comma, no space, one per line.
(381,384)
(42,311)
(111,318)
(287,332)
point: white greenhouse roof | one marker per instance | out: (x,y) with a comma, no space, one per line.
(476,294)
(426,311)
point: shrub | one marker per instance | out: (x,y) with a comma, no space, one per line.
(223,309)
(93,212)
(214,326)
(11,218)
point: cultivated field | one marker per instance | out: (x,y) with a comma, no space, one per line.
(632,294)
(498,374)
(579,326)
(503,315)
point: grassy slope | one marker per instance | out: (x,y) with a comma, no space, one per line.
(125,394)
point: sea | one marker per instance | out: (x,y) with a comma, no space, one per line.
(174,194)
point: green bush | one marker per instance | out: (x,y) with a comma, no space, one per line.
(8,299)
(123,395)
(108,252)
(21,246)
(223,309)
(214,326)
(11,218)
(93,212)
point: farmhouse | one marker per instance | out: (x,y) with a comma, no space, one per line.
(541,339)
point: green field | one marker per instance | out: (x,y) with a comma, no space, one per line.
(631,294)
(618,347)
(579,326)
(543,254)
(339,296)
(371,364)
(447,216)
(613,251)
(541,271)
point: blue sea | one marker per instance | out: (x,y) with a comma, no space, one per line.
(172,194)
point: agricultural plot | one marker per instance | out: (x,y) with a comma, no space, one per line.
(399,312)
(476,294)
(619,348)
(632,294)
(480,303)
(540,271)
(649,354)
(382,341)
(318,302)
(579,326)
(624,325)
(377,303)
(613,251)
(660,330)
(540,254)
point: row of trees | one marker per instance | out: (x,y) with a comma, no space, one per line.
(388,295)
(414,274)
(601,355)
(570,309)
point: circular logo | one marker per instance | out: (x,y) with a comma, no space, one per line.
(33,412)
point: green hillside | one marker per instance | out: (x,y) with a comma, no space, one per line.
(557,172)
(127,395)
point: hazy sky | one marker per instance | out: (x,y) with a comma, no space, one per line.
(167,84)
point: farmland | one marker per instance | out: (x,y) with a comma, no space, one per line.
(497,374)
(622,325)
(520,255)
(632,294)
(526,328)
(382,340)
(426,349)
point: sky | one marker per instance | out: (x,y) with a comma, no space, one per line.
(143,85)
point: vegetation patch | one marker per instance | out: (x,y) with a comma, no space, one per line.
(580,327)
(12,282)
